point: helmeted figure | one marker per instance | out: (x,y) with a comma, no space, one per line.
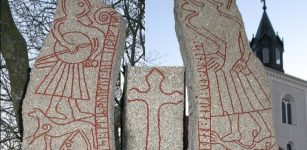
(73,51)
(70,96)
(216,47)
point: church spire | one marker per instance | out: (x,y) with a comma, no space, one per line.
(266,44)
(264,5)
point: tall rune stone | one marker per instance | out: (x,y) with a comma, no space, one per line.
(69,102)
(230,105)
(154,106)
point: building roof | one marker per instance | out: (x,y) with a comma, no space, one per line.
(265,27)
(277,75)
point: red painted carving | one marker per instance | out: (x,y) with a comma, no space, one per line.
(85,37)
(154,82)
(49,129)
(229,87)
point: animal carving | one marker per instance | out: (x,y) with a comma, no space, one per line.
(74,76)
(49,129)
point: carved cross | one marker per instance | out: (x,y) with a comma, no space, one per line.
(155,98)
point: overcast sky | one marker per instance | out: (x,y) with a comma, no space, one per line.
(287,17)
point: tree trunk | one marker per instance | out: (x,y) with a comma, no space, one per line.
(14,51)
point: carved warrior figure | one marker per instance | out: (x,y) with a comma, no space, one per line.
(70,96)
(229,95)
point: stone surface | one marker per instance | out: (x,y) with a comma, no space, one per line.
(69,102)
(230,105)
(154,107)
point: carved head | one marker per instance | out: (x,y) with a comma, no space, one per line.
(76,8)
(36,112)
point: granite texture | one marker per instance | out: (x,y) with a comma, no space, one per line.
(154,106)
(70,97)
(229,97)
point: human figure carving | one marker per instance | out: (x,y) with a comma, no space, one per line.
(74,50)
(74,77)
(229,88)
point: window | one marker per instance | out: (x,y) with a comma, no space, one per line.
(277,56)
(266,55)
(290,146)
(284,115)
(287,109)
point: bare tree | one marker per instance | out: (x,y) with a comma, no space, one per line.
(133,12)
(14,78)
(33,19)
(9,133)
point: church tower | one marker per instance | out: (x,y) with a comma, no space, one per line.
(267,45)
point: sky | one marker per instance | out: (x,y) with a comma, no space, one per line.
(289,20)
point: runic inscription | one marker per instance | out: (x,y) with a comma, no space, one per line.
(154,108)
(230,105)
(69,102)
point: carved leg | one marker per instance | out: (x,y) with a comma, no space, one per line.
(76,111)
(67,144)
(235,134)
(93,139)
(52,111)
(87,141)
(264,131)
(47,142)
